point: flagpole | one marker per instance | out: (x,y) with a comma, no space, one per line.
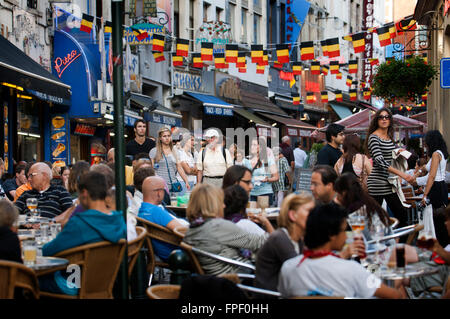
(119,142)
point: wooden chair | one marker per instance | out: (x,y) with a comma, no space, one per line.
(99,264)
(134,247)
(250,291)
(181,231)
(164,291)
(15,275)
(408,191)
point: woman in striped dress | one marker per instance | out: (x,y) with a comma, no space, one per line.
(379,143)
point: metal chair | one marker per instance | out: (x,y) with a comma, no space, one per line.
(408,191)
(397,233)
(251,292)
(393,222)
(15,275)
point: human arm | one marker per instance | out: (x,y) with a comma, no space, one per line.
(274,175)
(199,165)
(64,217)
(356,247)
(183,175)
(367,165)
(261,219)
(438,249)
(386,292)
(435,160)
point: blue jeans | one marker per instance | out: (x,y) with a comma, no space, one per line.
(254,198)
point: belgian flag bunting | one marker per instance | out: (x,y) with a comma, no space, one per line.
(241,61)
(359,42)
(324,45)
(325,69)
(182,47)
(310,97)
(260,69)
(177,60)
(295,98)
(348,37)
(231,53)
(333,47)
(349,80)
(257,53)
(265,60)
(366,93)
(384,36)
(219,61)
(282,53)
(315,67)
(297,68)
(353,95)
(407,23)
(307,51)
(86,23)
(334,67)
(338,94)
(243,69)
(324,96)
(197,60)
(392,31)
(374,61)
(207,51)
(425,97)
(339,75)
(159,56)
(140,36)
(425,58)
(158,42)
(353,66)
(108,27)
(277,65)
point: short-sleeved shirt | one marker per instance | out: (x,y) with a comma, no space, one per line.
(260,188)
(10,185)
(52,202)
(157,215)
(165,170)
(328,155)
(133,147)
(214,164)
(188,158)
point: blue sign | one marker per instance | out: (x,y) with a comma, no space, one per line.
(395,51)
(162,119)
(59,143)
(212,110)
(296,12)
(445,73)
(188,81)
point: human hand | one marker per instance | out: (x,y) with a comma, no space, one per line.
(423,202)
(410,179)
(357,247)
(188,186)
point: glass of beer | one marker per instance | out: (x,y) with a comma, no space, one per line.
(29,250)
(263,202)
(32,204)
(425,240)
(357,223)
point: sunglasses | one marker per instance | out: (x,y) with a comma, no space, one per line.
(384,117)
(246,182)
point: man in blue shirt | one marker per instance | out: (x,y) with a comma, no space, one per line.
(153,191)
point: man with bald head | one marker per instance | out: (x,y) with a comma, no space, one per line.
(153,192)
(52,200)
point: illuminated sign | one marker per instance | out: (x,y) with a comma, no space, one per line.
(61,64)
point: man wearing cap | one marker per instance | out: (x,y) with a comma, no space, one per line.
(213,160)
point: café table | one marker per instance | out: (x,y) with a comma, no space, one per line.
(389,274)
(44,263)
(419,197)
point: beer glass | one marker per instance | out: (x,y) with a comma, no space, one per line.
(29,250)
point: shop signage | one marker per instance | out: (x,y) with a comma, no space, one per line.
(211,110)
(143,27)
(447,7)
(217,32)
(445,73)
(61,64)
(305,133)
(58,139)
(229,89)
(6,146)
(83,129)
(292,131)
(131,117)
(368,10)
(162,119)
(188,81)
(263,131)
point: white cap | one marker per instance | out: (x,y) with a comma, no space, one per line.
(211,133)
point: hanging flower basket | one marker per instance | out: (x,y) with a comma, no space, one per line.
(397,79)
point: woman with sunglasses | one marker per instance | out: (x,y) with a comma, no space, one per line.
(239,175)
(380,144)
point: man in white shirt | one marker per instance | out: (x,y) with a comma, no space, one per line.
(300,157)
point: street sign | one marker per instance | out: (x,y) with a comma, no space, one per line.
(445,73)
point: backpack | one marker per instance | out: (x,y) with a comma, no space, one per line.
(223,153)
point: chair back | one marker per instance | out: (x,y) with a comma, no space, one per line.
(195,263)
(164,291)
(134,247)
(181,231)
(393,222)
(15,275)
(99,264)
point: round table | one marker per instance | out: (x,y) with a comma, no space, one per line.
(410,271)
(44,263)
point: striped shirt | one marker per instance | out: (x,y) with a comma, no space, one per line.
(52,202)
(283,167)
(381,153)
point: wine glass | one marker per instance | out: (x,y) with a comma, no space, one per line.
(377,232)
(32,204)
(357,223)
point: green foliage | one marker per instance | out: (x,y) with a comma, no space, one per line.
(397,79)
(316,147)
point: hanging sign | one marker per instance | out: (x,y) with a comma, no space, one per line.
(368,9)
(217,32)
(58,139)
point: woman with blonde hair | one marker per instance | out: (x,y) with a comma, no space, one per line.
(166,162)
(208,231)
(285,242)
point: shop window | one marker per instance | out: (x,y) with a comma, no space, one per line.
(29,130)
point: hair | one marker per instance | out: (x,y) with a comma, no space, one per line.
(233,175)
(333,130)
(184,138)
(412,160)
(351,146)
(235,150)
(435,142)
(8,213)
(140,175)
(327,173)
(205,201)
(159,151)
(78,169)
(106,171)
(65,168)
(297,144)
(139,121)
(440,216)
(355,197)
(285,138)
(373,126)
(95,184)
(141,163)
(19,168)
(235,200)
(49,164)
(323,222)
(263,153)
(143,155)
(291,202)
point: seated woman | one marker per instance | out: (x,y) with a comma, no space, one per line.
(208,231)
(236,199)
(239,175)
(9,242)
(285,242)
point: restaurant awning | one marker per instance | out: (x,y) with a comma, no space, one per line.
(212,105)
(19,69)
(286,103)
(143,101)
(294,127)
(340,110)
(155,112)
(252,117)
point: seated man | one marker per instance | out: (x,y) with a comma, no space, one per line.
(18,180)
(322,184)
(52,200)
(153,191)
(95,224)
(319,272)
(139,176)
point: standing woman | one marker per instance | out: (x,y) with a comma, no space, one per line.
(380,144)
(165,160)
(280,187)
(436,188)
(187,161)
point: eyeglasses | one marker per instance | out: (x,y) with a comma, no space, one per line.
(246,182)
(32,174)
(384,117)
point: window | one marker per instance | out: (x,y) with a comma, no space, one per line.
(244,26)
(32,4)
(191,25)
(219,12)
(255,29)
(232,18)
(205,11)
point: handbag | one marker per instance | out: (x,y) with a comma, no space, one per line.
(363,176)
(175,187)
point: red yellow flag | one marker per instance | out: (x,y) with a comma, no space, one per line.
(207,51)
(282,53)
(182,47)
(158,42)
(307,50)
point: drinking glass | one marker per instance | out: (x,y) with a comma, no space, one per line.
(29,250)
(45,232)
(400,255)
(32,204)
(55,229)
(377,232)
(357,223)
(263,202)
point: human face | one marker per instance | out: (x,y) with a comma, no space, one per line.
(166,137)
(254,148)
(37,179)
(21,177)
(300,215)
(319,190)
(140,129)
(157,193)
(65,176)
(246,182)
(384,120)
(339,139)
(338,241)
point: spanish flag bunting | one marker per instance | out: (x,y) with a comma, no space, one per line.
(425,97)
(353,66)
(310,97)
(315,67)
(207,51)
(374,61)
(257,53)
(366,93)
(297,68)
(307,50)
(241,61)
(182,47)
(338,94)
(295,98)
(384,36)
(324,45)
(282,53)
(86,23)
(159,56)
(359,42)
(333,47)
(140,36)
(407,23)
(325,69)
(158,42)
(353,95)
(219,61)
(108,27)
(392,31)
(177,60)
(349,80)
(260,69)
(265,60)
(339,76)
(334,67)
(324,96)
(197,61)
(231,53)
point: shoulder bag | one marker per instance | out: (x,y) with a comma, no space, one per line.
(175,187)
(363,176)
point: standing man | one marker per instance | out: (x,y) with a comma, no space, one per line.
(140,143)
(213,160)
(330,153)
(299,158)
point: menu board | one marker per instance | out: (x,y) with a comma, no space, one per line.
(58,139)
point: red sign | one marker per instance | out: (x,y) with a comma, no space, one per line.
(83,129)
(368,50)
(62,63)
